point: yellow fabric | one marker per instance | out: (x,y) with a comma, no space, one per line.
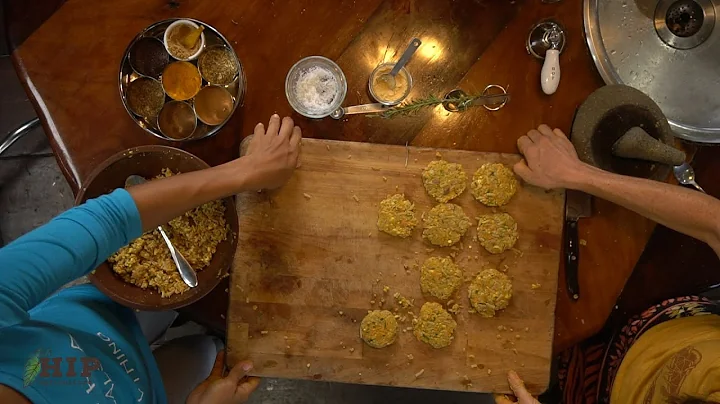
(673,362)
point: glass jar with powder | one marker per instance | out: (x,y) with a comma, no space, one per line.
(383,91)
(315,86)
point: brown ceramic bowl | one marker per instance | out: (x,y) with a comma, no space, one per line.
(148,161)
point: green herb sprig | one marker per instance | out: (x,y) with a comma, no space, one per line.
(413,106)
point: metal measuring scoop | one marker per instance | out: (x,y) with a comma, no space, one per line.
(389,78)
(686,176)
(358,109)
(187,273)
(458,100)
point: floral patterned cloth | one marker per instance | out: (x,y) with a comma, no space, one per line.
(587,371)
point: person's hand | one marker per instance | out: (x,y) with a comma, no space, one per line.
(273,154)
(550,159)
(518,388)
(235,388)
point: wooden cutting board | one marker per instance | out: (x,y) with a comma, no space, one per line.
(311,263)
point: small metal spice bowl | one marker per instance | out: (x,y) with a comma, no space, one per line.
(177,120)
(217,65)
(148,57)
(181,80)
(213,105)
(145,97)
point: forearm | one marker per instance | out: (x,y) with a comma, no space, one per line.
(162,200)
(687,211)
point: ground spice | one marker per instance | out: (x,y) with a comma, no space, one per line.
(145,97)
(149,57)
(217,65)
(177,120)
(384,92)
(181,80)
(176,41)
(213,105)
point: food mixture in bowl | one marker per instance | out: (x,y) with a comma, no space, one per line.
(146,261)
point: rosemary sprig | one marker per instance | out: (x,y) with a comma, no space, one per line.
(413,106)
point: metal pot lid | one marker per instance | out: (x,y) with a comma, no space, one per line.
(668,49)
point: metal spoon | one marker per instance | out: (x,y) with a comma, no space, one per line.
(187,273)
(389,78)
(686,176)
(358,109)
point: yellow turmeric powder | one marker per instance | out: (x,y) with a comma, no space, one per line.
(181,80)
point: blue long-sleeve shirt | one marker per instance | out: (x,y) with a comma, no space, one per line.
(76,346)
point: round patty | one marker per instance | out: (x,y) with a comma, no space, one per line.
(396,216)
(440,277)
(493,184)
(445,224)
(379,328)
(435,326)
(444,181)
(497,232)
(490,291)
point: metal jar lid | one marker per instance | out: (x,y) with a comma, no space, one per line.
(668,49)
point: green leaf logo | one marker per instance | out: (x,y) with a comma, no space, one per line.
(32,368)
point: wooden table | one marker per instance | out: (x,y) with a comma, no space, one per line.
(70,67)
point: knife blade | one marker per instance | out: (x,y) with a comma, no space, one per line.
(577,205)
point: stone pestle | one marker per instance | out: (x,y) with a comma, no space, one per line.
(638,144)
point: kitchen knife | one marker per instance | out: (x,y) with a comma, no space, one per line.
(577,205)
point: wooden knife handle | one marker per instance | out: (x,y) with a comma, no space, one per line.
(572,256)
